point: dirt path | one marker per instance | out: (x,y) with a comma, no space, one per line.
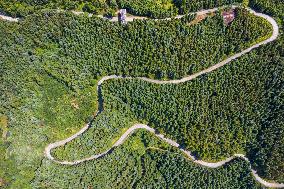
(185,79)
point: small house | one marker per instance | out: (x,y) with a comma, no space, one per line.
(228,16)
(122,16)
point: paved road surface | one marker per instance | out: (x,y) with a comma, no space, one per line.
(185,79)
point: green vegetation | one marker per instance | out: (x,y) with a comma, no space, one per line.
(50,63)
(3,126)
(186,6)
(169,170)
(135,69)
(137,164)
(26,7)
(169,8)
(38,106)
(176,48)
(105,130)
(271,7)
(151,8)
(233,107)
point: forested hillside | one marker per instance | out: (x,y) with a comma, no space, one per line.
(50,63)
(176,48)
(150,8)
(216,115)
(138,163)
(107,127)
(272,7)
(163,67)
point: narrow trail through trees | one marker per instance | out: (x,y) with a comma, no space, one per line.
(151,130)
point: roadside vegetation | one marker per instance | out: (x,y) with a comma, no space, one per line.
(144,161)
(235,109)
(231,34)
(150,8)
(50,63)
(271,7)
(103,133)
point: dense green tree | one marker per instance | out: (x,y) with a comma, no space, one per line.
(50,63)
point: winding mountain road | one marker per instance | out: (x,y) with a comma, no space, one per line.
(8,18)
(151,130)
